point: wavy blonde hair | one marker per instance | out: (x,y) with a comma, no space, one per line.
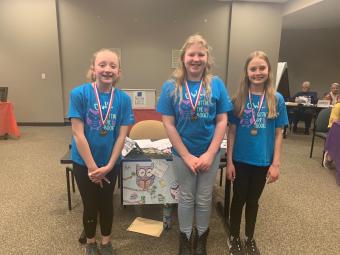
(242,92)
(90,74)
(180,74)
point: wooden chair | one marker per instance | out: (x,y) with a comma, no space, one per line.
(148,129)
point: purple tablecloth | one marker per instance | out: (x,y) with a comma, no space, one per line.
(333,147)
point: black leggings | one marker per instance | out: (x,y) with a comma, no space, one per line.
(247,189)
(96,199)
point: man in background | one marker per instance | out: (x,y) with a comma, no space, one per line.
(304,97)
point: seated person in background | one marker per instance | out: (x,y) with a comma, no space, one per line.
(305,96)
(335,116)
(333,96)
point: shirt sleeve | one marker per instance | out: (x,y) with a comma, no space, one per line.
(166,99)
(128,117)
(232,118)
(76,105)
(282,117)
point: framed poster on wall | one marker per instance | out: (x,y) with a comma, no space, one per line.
(142,98)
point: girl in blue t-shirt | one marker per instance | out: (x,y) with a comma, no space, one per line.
(254,146)
(100,115)
(194,106)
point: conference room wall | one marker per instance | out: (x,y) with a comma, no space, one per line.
(28,48)
(312,55)
(254,26)
(146,31)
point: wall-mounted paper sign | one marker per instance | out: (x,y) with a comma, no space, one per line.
(175,58)
(139,99)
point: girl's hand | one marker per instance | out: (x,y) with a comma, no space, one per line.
(191,161)
(273,173)
(231,173)
(99,173)
(205,161)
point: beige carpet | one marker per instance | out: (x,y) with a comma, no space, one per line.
(300,214)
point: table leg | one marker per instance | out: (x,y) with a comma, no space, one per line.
(68,188)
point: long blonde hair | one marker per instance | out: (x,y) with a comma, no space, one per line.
(90,74)
(180,74)
(243,88)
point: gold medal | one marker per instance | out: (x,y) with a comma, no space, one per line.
(194,116)
(103,132)
(253,131)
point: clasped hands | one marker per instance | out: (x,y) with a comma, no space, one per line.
(97,175)
(197,164)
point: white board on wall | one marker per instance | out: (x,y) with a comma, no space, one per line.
(142,98)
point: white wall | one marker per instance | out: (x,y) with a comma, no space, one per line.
(312,55)
(28,48)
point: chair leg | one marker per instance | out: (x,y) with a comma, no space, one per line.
(311,148)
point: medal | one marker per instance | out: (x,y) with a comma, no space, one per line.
(253,131)
(103,132)
(103,121)
(193,107)
(194,116)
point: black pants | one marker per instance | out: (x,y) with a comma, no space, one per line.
(247,189)
(301,113)
(96,200)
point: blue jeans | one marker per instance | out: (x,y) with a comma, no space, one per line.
(195,195)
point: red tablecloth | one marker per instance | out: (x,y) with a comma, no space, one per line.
(333,147)
(8,124)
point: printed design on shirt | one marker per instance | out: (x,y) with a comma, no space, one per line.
(261,119)
(93,118)
(202,110)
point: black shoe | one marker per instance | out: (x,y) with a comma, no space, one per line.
(185,244)
(200,243)
(294,129)
(82,239)
(235,246)
(250,247)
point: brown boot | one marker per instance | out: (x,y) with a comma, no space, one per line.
(200,243)
(185,244)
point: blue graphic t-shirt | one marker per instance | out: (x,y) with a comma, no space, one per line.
(195,134)
(257,149)
(83,105)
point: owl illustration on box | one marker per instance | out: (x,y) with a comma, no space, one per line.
(144,176)
(174,190)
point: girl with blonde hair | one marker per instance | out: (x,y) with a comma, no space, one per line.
(100,115)
(194,106)
(254,146)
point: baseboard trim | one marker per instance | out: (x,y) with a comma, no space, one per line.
(46,124)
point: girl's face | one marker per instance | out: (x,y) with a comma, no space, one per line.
(106,68)
(257,71)
(195,61)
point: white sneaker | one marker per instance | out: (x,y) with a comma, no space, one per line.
(327,163)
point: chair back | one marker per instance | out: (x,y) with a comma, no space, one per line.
(321,123)
(148,129)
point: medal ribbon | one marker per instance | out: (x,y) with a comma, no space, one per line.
(253,116)
(193,107)
(103,122)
